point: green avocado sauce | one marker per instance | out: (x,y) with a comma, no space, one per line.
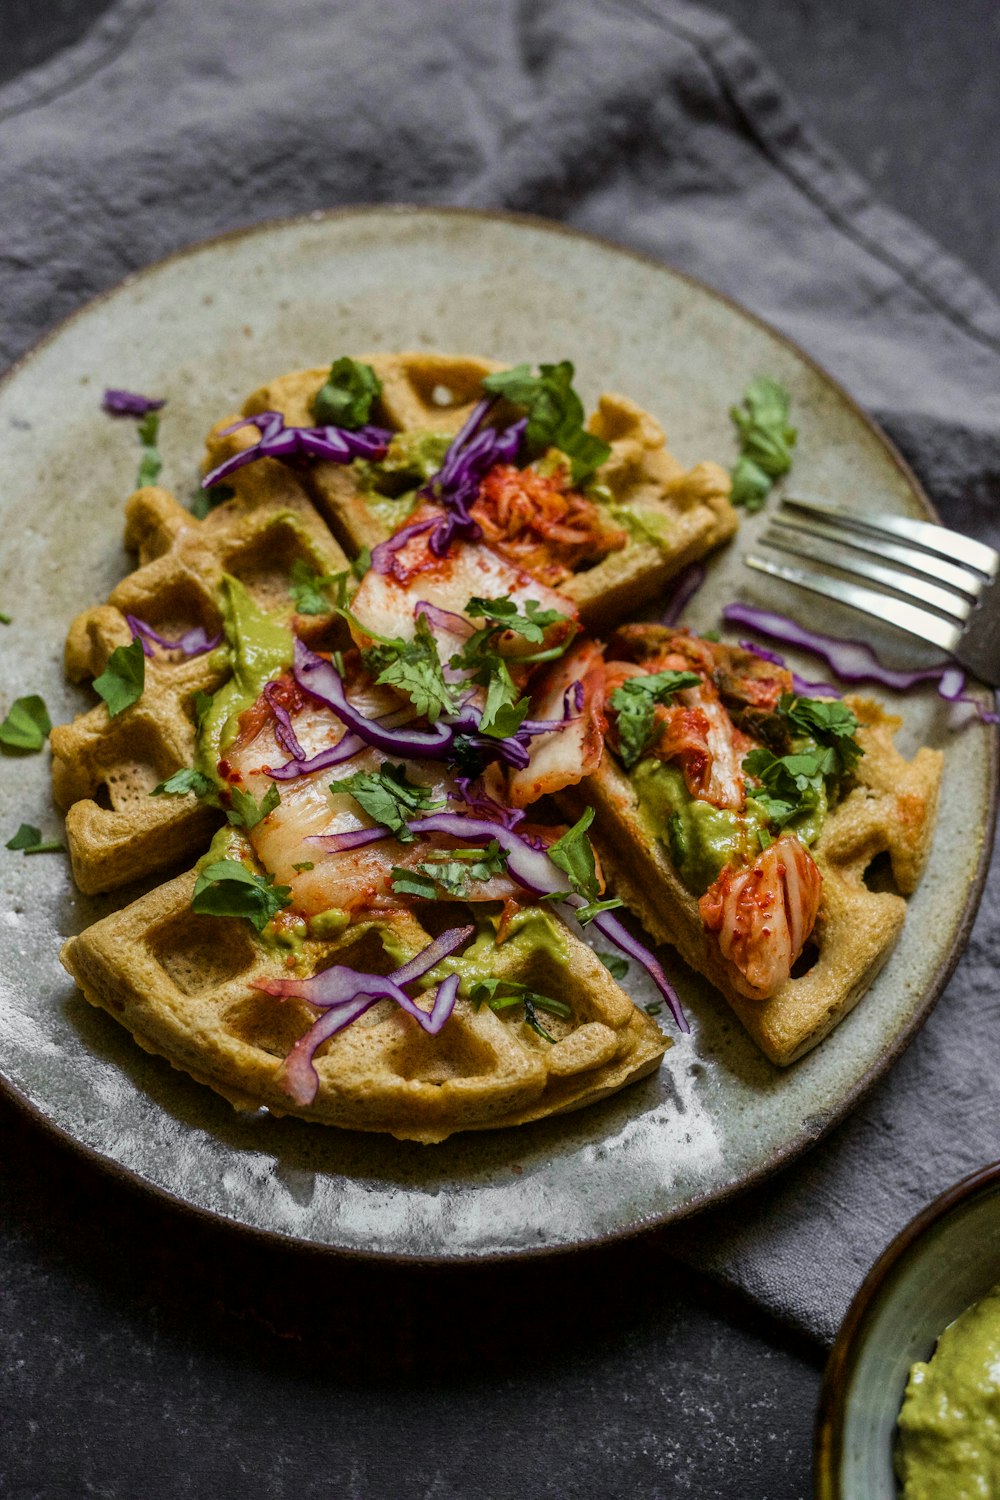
(257,647)
(529,931)
(949,1426)
(390,485)
(702,839)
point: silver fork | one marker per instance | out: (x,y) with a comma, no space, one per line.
(953,578)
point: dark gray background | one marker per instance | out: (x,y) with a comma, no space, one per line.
(145,1353)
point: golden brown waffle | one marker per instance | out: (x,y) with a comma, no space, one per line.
(181,983)
(890,811)
(105,768)
(687,511)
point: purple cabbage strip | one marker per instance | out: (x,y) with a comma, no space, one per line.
(487,806)
(336,444)
(855,661)
(354,838)
(194,642)
(345,748)
(472,453)
(285,732)
(322,681)
(687,583)
(130,403)
(383,552)
(347,993)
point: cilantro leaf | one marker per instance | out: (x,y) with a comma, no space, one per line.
(29,839)
(361,564)
(635,704)
(150,463)
(831,724)
(766,441)
(412,883)
(247,812)
(502,994)
(122,681)
(616,966)
(188,779)
(308,589)
(387,795)
(347,397)
(206,500)
(585,914)
(573,854)
(532,624)
(555,414)
(791,785)
(503,712)
(453,870)
(228,889)
(27,724)
(413,667)
(5,619)
(304,864)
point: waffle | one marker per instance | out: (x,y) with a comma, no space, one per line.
(652,495)
(105,768)
(889,811)
(182,985)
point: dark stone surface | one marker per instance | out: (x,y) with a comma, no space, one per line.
(147,1353)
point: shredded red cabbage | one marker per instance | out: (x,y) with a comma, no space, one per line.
(687,583)
(130,403)
(336,444)
(284,732)
(345,994)
(471,791)
(194,642)
(854,661)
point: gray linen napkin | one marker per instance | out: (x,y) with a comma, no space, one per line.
(650,122)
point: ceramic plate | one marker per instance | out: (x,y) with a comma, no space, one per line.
(205,327)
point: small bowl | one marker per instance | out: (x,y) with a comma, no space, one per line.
(943,1261)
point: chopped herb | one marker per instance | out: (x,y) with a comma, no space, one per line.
(228,889)
(30,841)
(27,724)
(453,870)
(5,619)
(790,784)
(308,589)
(653,1008)
(184,781)
(532,624)
(122,681)
(502,994)
(616,966)
(555,414)
(766,441)
(764,839)
(635,704)
(347,397)
(711,635)
(677,839)
(413,883)
(305,864)
(828,723)
(573,853)
(361,564)
(388,795)
(150,463)
(206,500)
(414,668)
(247,812)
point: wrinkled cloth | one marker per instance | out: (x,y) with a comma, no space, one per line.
(653,123)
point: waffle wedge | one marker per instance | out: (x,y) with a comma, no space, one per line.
(668,516)
(889,810)
(105,768)
(183,985)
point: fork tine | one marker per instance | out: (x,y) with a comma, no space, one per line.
(786,539)
(932,566)
(908,617)
(937,539)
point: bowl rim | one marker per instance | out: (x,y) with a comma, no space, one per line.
(840,1367)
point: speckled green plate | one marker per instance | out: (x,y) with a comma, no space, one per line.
(207,326)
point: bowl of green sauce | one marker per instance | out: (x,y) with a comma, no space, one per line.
(910,1404)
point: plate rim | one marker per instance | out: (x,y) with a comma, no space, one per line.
(811,1133)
